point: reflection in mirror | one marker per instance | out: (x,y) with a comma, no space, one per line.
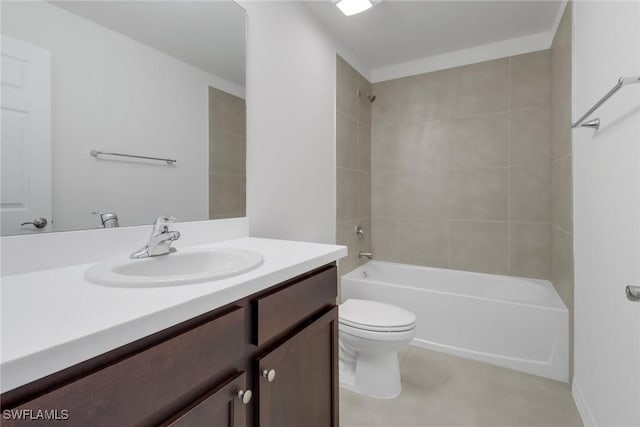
(158,79)
(227,154)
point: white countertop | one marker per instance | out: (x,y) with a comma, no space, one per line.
(53,319)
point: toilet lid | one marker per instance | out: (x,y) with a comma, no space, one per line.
(375,316)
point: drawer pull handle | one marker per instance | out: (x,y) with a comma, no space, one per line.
(270,374)
(245,396)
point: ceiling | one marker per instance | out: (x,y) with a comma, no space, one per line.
(207,34)
(394,31)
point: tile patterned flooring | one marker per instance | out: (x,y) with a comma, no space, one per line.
(440,390)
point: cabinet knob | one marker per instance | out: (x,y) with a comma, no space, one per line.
(270,374)
(245,396)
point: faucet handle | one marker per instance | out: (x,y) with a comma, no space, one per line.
(107,219)
(162,223)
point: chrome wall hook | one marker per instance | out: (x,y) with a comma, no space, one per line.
(622,81)
(593,124)
(633,293)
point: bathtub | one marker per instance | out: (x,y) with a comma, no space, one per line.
(507,321)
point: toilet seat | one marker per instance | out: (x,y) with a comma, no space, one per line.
(375,316)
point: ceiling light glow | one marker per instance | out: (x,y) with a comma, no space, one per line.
(351,7)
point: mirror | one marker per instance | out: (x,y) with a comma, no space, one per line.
(132,108)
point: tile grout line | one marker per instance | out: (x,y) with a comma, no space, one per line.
(509,171)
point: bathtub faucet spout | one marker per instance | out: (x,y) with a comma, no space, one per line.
(365,255)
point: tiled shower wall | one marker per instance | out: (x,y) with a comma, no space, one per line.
(561,182)
(461,167)
(227,155)
(353,161)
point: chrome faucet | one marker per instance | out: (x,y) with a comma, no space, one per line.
(160,240)
(365,255)
(107,219)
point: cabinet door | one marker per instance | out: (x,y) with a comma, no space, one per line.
(222,407)
(303,370)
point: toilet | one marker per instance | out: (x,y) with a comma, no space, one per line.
(370,335)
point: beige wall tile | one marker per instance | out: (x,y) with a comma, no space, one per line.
(384,238)
(226,195)
(353,183)
(530,250)
(530,138)
(561,124)
(561,52)
(441,149)
(530,80)
(530,194)
(364,146)
(364,194)
(227,153)
(345,235)
(384,148)
(424,145)
(346,88)
(346,141)
(364,105)
(423,195)
(562,195)
(562,265)
(479,246)
(561,181)
(388,108)
(347,194)
(364,109)
(423,242)
(227,113)
(364,243)
(478,194)
(481,88)
(426,97)
(481,141)
(413,99)
(384,194)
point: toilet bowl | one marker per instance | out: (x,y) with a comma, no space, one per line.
(370,335)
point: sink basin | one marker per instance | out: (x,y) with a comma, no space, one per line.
(180,268)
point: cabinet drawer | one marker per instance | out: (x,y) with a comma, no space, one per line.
(219,408)
(278,311)
(144,388)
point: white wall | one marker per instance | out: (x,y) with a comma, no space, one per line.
(607,215)
(143,102)
(291,75)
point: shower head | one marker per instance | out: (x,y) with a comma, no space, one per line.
(370,97)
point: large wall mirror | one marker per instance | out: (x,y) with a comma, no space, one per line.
(89,85)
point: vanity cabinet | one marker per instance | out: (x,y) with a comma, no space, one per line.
(268,360)
(223,407)
(297,383)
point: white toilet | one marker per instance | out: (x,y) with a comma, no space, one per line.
(371,333)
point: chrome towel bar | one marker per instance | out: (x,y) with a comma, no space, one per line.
(595,124)
(96,153)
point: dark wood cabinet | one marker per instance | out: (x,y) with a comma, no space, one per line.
(207,371)
(297,381)
(222,407)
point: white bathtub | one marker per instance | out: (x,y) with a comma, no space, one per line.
(517,323)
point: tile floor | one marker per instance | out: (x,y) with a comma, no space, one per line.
(440,390)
